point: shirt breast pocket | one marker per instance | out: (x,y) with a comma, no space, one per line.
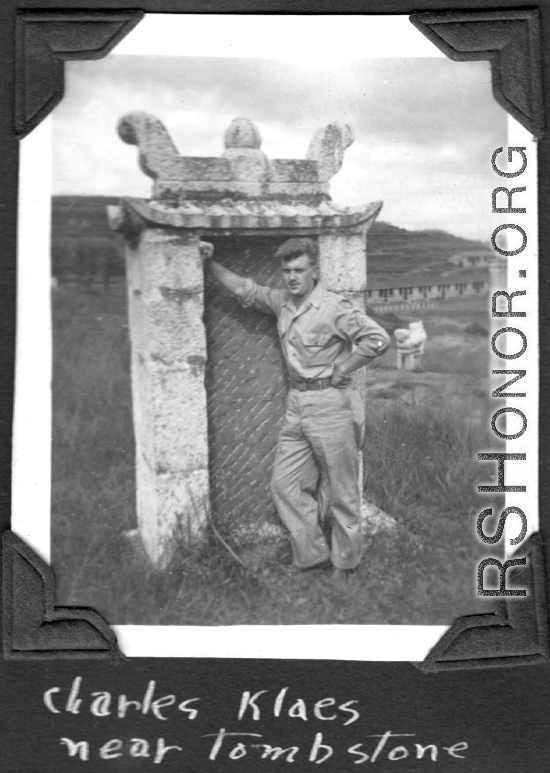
(317,348)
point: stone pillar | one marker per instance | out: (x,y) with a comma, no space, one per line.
(165,302)
(343,269)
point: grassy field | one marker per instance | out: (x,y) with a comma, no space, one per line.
(420,468)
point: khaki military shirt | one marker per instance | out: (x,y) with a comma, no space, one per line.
(322,331)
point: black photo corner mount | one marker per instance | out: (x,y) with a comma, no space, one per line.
(33,627)
(516,633)
(45,40)
(510,40)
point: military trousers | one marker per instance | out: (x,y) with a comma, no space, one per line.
(322,432)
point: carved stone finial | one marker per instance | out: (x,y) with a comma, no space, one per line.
(327,148)
(242,142)
(242,133)
(157,152)
(243,170)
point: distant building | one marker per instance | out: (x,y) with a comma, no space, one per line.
(472,259)
(426,287)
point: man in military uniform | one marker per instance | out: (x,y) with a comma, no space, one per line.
(324,338)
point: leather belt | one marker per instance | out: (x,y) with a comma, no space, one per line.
(306,386)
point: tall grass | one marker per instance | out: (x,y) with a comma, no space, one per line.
(93,479)
(419,466)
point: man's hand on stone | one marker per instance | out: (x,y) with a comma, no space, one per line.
(206,250)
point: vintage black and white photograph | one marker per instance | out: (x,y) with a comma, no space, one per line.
(271,276)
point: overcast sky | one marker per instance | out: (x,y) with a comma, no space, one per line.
(424,128)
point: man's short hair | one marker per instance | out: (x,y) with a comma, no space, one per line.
(293,248)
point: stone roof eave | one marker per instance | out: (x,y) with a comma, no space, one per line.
(133,214)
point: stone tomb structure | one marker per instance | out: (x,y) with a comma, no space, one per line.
(208,378)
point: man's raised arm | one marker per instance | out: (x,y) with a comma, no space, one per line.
(231,281)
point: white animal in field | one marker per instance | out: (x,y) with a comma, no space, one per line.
(412,337)
(410,345)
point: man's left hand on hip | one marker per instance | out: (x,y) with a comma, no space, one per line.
(339,377)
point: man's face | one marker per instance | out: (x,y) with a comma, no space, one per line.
(299,276)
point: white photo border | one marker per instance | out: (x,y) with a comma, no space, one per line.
(32,417)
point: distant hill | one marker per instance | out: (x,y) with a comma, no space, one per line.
(392,251)
(77,214)
(83,243)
